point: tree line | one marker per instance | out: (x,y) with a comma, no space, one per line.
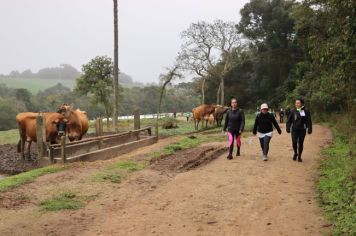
(145,99)
(279,51)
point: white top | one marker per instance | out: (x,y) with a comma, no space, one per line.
(262,135)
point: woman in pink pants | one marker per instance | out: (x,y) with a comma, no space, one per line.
(234,124)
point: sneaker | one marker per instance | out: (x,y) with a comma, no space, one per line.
(265,158)
(229,157)
(294,157)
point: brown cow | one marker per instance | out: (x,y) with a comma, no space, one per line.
(83,117)
(219,114)
(200,112)
(78,123)
(26,121)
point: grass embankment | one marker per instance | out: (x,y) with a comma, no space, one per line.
(337,182)
(27,177)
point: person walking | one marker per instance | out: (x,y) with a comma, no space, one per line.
(263,129)
(281,115)
(299,120)
(234,124)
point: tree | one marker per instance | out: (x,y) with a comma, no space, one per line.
(270,29)
(116,69)
(166,79)
(207,45)
(196,52)
(24,96)
(96,80)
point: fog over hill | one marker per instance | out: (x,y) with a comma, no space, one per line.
(61,72)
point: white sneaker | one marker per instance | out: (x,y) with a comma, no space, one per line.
(265,158)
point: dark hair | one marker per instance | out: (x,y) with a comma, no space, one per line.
(301,100)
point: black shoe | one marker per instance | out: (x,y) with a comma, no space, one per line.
(229,157)
(238,152)
(295,157)
(300,158)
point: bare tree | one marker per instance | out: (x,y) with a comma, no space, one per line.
(116,68)
(196,52)
(166,78)
(228,41)
(207,45)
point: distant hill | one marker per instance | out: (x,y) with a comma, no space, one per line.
(47,77)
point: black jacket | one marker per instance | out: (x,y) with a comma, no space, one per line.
(263,123)
(235,120)
(299,120)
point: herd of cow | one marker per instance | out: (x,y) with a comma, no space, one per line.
(205,112)
(67,121)
(74,123)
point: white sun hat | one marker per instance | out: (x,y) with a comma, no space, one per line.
(264,106)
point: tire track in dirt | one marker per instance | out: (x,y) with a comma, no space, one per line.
(244,196)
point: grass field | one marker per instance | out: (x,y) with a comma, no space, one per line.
(35,85)
(9,136)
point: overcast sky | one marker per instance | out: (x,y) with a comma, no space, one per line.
(46,33)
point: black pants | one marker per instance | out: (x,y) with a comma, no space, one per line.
(298,141)
(280,119)
(265,144)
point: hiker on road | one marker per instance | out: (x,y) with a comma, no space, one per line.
(299,120)
(263,129)
(234,124)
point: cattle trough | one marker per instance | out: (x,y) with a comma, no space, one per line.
(101,147)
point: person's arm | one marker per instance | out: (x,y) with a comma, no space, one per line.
(309,123)
(276,125)
(289,121)
(255,126)
(242,126)
(226,121)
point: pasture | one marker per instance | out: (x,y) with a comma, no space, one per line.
(35,85)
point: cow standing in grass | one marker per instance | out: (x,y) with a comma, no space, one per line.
(200,112)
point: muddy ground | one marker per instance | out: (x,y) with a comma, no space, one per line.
(189,193)
(11,162)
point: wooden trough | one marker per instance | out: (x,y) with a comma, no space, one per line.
(100,148)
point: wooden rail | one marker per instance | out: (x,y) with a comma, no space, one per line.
(84,147)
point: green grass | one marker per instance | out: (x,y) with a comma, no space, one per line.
(117,172)
(337,186)
(66,200)
(9,136)
(35,85)
(27,177)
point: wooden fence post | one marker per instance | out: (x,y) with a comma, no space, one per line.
(63,148)
(136,119)
(41,136)
(99,126)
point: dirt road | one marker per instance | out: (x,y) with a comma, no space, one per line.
(244,196)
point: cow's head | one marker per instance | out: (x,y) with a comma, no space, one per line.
(61,124)
(65,109)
